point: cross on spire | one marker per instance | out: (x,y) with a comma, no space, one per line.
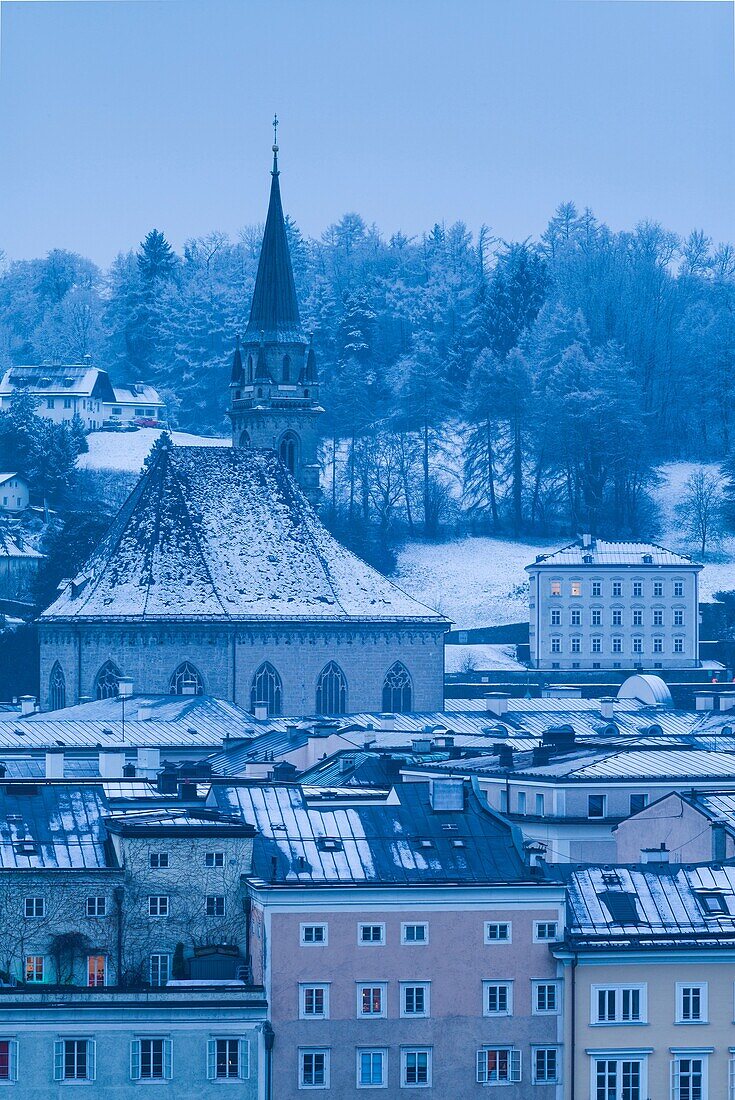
(275,144)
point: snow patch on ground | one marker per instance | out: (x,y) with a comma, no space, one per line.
(467,658)
(128,450)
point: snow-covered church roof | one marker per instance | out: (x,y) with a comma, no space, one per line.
(216,533)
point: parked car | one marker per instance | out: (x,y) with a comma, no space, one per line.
(148,422)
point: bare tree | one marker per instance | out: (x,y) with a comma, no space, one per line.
(700,509)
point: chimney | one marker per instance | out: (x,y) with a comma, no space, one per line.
(111,764)
(726,700)
(496,702)
(704,700)
(292,732)
(148,763)
(541,755)
(27,704)
(719,842)
(655,855)
(607,708)
(260,712)
(559,737)
(55,765)
(445,741)
(587,541)
(421,745)
(505,756)
(446,794)
(144,713)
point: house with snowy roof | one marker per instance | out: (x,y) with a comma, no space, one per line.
(62,390)
(217,577)
(621,605)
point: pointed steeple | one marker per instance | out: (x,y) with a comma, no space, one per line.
(275,310)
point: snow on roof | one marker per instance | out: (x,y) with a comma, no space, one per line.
(7,477)
(68,378)
(225,534)
(646,689)
(135,393)
(48,825)
(613,553)
(14,546)
(651,903)
(400,839)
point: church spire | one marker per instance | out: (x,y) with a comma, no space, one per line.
(275,311)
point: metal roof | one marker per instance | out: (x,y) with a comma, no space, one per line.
(394,840)
(613,553)
(53,827)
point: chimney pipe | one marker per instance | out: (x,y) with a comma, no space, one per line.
(607,708)
(54,765)
(496,702)
(726,700)
(719,842)
(260,712)
(111,765)
(148,763)
(704,700)
(27,704)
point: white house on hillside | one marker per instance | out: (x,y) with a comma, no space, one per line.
(598,604)
(134,401)
(14,492)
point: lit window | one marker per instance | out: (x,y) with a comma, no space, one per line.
(619,1004)
(215,905)
(96,970)
(214,859)
(545,1061)
(314,1069)
(96,907)
(228,1059)
(691,1003)
(8,1060)
(415,999)
(497,932)
(497,999)
(555,588)
(158,905)
(74,1060)
(371,1000)
(151,1059)
(544,930)
(313,935)
(414,933)
(416,1068)
(371,934)
(576,588)
(498,1066)
(371,1066)
(314,1002)
(545,997)
(34,968)
(35,907)
(159,968)
(596,805)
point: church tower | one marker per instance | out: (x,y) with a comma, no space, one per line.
(274,389)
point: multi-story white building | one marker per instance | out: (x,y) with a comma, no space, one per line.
(624,605)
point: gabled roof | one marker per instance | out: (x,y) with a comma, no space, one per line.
(178,822)
(135,393)
(380,838)
(47,825)
(274,312)
(613,553)
(226,534)
(80,379)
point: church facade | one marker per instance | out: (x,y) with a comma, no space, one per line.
(217,576)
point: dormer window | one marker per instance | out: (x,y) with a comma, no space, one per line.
(648,559)
(712,902)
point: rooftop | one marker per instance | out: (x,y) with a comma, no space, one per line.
(600,552)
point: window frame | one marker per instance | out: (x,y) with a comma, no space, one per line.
(536,985)
(156,899)
(371,942)
(323,988)
(601,816)
(159,955)
(493,940)
(618,988)
(313,1051)
(382,987)
(703,1018)
(31,904)
(406,1051)
(214,905)
(405,925)
(92,960)
(359,1054)
(619,1058)
(497,983)
(538,924)
(161,861)
(36,969)
(214,859)
(136,1058)
(94,910)
(303,942)
(12,1052)
(535,1051)
(679,1054)
(514,1062)
(243,1058)
(403,988)
(60,1058)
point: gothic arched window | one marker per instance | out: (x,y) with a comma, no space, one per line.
(289,451)
(286,369)
(57,688)
(267,689)
(186,680)
(107,681)
(397,689)
(331,690)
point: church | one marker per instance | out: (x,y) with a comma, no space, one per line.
(217,576)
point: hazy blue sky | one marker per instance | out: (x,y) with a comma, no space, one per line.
(119,116)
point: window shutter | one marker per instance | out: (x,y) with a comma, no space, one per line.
(91,1059)
(168,1059)
(244,1058)
(211,1059)
(515,1065)
(135,1060)
(13,1052)
(59,1060)
(481,1067)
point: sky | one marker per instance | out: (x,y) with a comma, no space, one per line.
(123,115)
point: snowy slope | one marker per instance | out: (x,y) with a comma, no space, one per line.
(129,450)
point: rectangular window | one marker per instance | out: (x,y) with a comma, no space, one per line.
(545,1062)
(8,1060)
(556,645)
(544,930)
(596,588)
(678,617)
(658,616)
(371,934)
(74,1060)
(158,905)
(539,810)
(596,616)
(371,1000)
(314,1002)
(691,1003)
(314,1069)
(619,1004)
(214,859)
(371,1069)
(555,588)
(151,1059)
(678,588)
(638,802)
(313,935)
(575,588)
(215,905)
(637,590)
(658,588)
(637,645)
(96,970)
(555,617)
(575,616)
(678,645)
(617,645)
(96,907)
(498,1066)
(158,859)
(497,998)
(596,805)
(622,1078)
(658,645)
(415,999)
(67,402)
(159,968)
(617,616)
(35,907)
(414,933)
(521,802)
(576,645)
(34,968)
(637,616)
(49,402)
(617,588)
(545,998)
(597,645)
(416,1068)
(497,932)
(228,1059)
(688,1078)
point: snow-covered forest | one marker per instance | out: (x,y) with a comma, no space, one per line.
(515,388)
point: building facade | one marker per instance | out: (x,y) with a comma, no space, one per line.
(62,391)
(135,402)
(622,605)
(14,493)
